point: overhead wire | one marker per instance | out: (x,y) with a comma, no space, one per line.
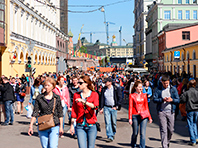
(89,11)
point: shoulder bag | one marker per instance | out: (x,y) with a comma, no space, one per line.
(47,121)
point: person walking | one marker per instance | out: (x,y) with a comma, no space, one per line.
(111,100)
(44,105)
(20,95)
(2,107)
(147,90)
(7,93)
(166,97)
(35,90)
(63,92)
(139,114)
(84,104)
(190,97)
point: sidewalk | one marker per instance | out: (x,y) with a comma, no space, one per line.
(16,136)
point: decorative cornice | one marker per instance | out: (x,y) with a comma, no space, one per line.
(35,15)
(32,19)
(27,15)
(22,12)
(16,8)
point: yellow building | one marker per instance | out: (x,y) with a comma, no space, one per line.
(188,60)
(29,31)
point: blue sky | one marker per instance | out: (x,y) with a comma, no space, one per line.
(121,14)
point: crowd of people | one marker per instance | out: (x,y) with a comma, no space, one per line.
(81,95)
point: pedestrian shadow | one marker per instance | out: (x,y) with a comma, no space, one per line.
(68,135)
(129,145)
(107,146)
(101,138)
(23,122)
(26,134)
(177,141)
(122,120)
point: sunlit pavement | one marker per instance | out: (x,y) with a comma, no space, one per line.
(15,136)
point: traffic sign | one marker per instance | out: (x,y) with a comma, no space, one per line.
(144,61)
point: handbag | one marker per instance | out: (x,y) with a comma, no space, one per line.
(47,121)
(98,127)
(23,94)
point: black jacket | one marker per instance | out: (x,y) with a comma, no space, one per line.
(117,97)
(72,91)
(190,97)
(42,107)
(7,92)
(20,89)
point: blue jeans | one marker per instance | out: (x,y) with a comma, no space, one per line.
(49,138)
(192,125)
(136,122)
(86,136)
(110,116)
(64,114)
(9,111)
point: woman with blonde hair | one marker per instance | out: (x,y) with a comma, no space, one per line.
(45,104)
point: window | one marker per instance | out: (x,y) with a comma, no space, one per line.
(186,35)
(194,1)
(187,56)
(167,58)
(187,1)
(167,15)
(194,55)
(182,57)
(179,1)
(187,14)
(170,57)
(180,14)
(195,14)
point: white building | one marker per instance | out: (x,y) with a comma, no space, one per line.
(33,29)
(140,25)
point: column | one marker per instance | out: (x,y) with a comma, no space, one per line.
(173,12)
(161,13)
(11,16)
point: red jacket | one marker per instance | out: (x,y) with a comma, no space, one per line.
(138,105)
(78,109)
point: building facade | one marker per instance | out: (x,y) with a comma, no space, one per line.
(140,25)
(179,33)
(32,29)
(188,59)
(160,13)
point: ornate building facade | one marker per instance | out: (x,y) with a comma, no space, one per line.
(32,30)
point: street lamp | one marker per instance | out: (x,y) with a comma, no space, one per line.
(103,10)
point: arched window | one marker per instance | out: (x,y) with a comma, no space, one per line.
(58,43)
(194,55)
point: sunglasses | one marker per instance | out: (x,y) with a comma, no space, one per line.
(80,83)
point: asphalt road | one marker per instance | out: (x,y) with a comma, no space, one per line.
(16,136)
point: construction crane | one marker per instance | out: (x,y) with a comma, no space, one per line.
(107,30)
(120,35)
(91,34)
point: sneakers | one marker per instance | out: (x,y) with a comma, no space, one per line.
(192,144)
(109,140)
(4,124)
(10,123)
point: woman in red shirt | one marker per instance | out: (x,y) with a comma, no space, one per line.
(84,104)
(138,114)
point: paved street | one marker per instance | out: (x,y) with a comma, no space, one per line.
(16,136)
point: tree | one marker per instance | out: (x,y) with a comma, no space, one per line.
(83,49)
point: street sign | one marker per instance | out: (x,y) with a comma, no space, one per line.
(127,63)
(176,54)
(144,61)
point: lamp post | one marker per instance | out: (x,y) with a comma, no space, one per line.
(103,10)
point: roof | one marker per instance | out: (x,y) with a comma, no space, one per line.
(180,46)
(70,34)
(175,26)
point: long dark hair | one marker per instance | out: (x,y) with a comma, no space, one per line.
(136,85)
(87,80)
(37,82)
